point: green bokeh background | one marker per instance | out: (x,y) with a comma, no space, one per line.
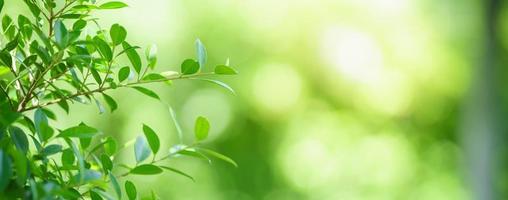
(336,99)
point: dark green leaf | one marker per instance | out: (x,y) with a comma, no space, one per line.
(201,128)
(147,92)
(133,56)
(141,149)
(201,53)
(1,5)
(189,66)
(153,139)
(146,169)
(130,189)
(178,172)
(118,34)
(107,165)
(5,170)
(52,149)
(44,131)
(19,139)
(123,73)
(225,70)
(79,24)
(80,131)
(113,5)
(111,102)
(219,156)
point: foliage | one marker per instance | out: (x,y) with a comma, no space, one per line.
(50,58)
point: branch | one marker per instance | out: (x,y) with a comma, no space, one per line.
(102,89)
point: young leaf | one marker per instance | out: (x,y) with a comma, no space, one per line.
(225,70)
(118,34)
(201,53)
(153,139)
(178,172)
(201,128)
(219,156)
(141,150)
(146,169)
(189,66)
(219,83)
(147,92)
(130,189)
(151,56)
(123,73)
(110,101)
(153,76)
(113,5)
(110,146)
(80,131)
(133,56)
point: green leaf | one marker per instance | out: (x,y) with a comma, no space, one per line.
(107,164)
(103,48)
(61,34)
(153,76)
(141,149)
(189,66)
(133,56)
(5,170)
(21,166)
(80,131)
(219,156)
(153,139)
(151,56)
(113,5)
(178,172)
(201,128)
(118,34)
(44,131)
(68,157)
(130,189)
(201,53)
(1,5)
(123,73)
(100,106)
(219,83)
(146,169)
(110,146)
(79,24)
(225,70)
(116,186)
(110,101)
(19,139)
(52,149)
(147,92)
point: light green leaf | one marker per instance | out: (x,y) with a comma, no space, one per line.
(130,189)
(219,83)
(153,76)
(113,5)
(147,92)
(123,73)
(219,156)
(189,66)
(153,139)
(201,128)
(225,70)
(110,101)
(151,56)
(201,53)
(61,34)
(110,146)
(116,186)
(178,172)
(118,34)
(80,131)
(141,149)
(133,56)
(146,169)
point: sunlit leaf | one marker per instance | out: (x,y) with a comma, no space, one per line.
(133,56)
(151,56)
(189,66)
(113,5)
(225,70)
(131,191)
(117,34)
(80,131)
(123,73)
(153,139)
(201,128)
(146,169)
(219,156)
(110,101)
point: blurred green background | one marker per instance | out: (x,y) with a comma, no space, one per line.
(336,99)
